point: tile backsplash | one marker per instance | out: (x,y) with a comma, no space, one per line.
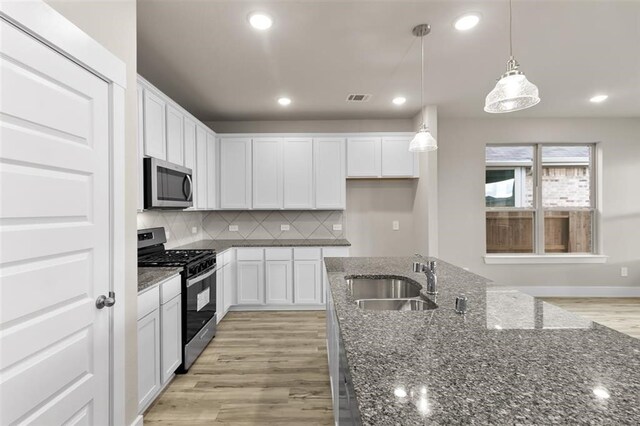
(255,224)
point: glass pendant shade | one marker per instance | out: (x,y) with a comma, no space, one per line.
(513,92)
(423,141)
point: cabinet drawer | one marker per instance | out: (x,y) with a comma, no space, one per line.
(306,253)
(277,254)
(148,301)
(170,289)
(250,254)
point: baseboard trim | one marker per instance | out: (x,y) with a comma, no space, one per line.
(579,291)
(239,308)
(139,421)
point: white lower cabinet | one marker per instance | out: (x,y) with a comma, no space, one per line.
(250,282)
(171,337)
(278,278)
(220,292)
(159,338)
(148,359)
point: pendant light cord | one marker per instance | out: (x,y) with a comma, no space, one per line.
(510,31)
(422,79)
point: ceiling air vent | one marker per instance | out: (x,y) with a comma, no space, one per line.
(358,98)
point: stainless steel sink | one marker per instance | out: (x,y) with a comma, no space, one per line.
(395,304)
(382,288)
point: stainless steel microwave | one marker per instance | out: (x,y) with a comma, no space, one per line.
(167,185)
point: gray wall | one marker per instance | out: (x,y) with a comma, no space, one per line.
(113,24)
(317,126)
(461,196)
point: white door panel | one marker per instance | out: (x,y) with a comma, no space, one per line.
(363,157)
(54,228)
(235,173)
(175,136)
(397,160)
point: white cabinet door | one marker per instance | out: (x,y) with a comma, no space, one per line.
(267,173)
(298,173)
(363,157)
(329,167)
(278,282)
(397,160)
(250,282)
(175,136)
(140,94)
(212,201)
(171,337)
(154,126)
(306,281)
(200,199)
(235,173)
(148,359)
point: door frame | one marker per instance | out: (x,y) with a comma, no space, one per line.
(42,22)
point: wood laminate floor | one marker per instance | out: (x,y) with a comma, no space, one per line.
(262,368)
(271,368)
(621,314)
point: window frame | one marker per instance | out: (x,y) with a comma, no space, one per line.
(539,255)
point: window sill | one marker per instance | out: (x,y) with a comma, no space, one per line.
(541,259)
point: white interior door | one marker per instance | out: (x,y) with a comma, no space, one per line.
(54,236)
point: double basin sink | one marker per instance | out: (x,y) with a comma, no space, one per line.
(388,294)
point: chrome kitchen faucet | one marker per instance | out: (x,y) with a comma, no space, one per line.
(429,270)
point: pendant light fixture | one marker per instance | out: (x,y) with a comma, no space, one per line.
(513,91)
(423,140)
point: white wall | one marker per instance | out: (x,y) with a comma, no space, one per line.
(113,24)
(461,196)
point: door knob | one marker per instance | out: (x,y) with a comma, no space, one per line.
(107,301)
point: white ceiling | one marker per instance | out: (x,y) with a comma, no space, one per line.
(205,56)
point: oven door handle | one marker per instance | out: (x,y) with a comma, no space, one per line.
(201,277)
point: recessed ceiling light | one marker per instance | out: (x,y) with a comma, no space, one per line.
(399,100)
(599,98)
(284,101)
(260,21)
(466,22)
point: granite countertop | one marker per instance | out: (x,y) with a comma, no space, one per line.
(512,359)
(222,245)
(148,277)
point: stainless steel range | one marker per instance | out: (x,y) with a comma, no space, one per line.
(198,289)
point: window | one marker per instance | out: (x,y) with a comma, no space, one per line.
(540,199)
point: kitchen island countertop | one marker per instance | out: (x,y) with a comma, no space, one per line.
(512,359)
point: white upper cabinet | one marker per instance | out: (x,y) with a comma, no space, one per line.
(235,173)
(212,201)
(363,157)
(190,149)
(298,173)
(381,157)
(200,175)
(397,160)
(175,136)
(329,168)
(154,125)
(267,173)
